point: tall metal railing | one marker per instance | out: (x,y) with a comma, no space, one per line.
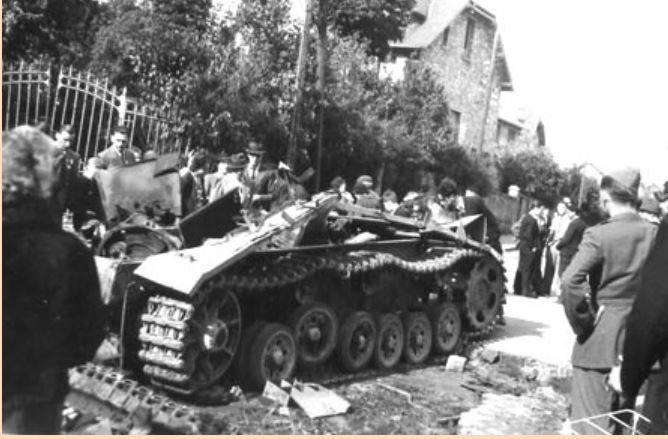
(33,93)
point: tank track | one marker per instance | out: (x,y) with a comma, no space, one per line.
(165,325)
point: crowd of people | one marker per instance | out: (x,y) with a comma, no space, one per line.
(606,259)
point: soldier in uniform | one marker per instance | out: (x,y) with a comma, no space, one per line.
(118,154)
(618,248)
(66,171)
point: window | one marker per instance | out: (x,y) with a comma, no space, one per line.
(446,32)
(468,38)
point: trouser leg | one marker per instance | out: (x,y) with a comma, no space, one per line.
(535,277)
(655,407)
(524,270)
(592,397)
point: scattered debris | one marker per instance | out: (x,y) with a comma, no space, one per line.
(276,394)
(318,401)
(529,373)
(455,363)
(134,404)
(490,356)
(408,395)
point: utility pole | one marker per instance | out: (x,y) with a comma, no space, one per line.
(301,71)
(322,82)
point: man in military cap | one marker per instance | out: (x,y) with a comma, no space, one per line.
(118,154)
(616,249)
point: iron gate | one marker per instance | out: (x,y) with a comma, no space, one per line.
(39,93)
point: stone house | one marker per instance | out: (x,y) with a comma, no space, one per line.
(459,40)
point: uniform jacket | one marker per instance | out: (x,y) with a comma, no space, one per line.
(647,328)
(113,158)
(618,248)
(52,313)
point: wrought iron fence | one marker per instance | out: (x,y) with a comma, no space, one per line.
(39,93)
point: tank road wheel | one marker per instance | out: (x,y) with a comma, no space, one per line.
(484,294)
(390,342)
(418,337)
(446,324)
(315,326)
(216,329)
(356,341)
(272,356)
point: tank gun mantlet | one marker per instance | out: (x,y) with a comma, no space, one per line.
(186,270)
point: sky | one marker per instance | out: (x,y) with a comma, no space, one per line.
(595,71)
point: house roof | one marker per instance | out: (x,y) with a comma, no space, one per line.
(438,16)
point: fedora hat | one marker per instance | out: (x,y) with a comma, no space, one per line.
(255,148)
(237,162)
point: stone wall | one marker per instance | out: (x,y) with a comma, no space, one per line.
(466,79)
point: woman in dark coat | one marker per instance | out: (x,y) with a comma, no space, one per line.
(52,313)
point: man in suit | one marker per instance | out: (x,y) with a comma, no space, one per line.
(527,277)
(474,205)
(118,154)
(67,171)
(647,337)
(618,247)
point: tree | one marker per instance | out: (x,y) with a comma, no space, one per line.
(535,172)
(377,21)
(61,30)
(150,50)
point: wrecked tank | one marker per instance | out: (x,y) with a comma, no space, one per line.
(314,283)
